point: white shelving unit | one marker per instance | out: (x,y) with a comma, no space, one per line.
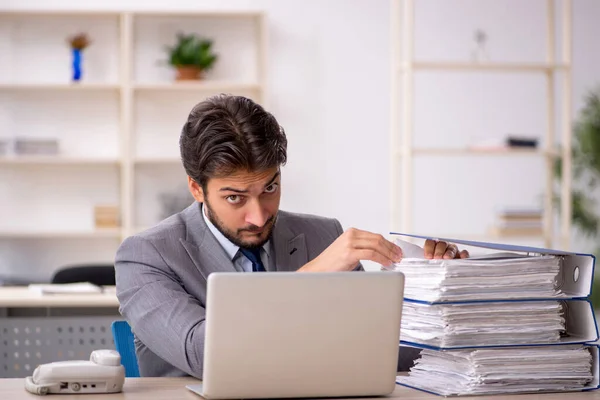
(118,128)
(403,152)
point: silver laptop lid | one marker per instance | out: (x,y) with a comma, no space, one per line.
(283,334)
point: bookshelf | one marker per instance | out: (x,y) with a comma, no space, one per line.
(404,154)
(117,128)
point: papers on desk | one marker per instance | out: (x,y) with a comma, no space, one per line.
(66,288)
(480,278)
(496,371)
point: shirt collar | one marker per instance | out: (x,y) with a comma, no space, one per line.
(230,248)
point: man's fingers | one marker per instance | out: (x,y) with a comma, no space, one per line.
(440,250)
(451,252)
(372,255)
(463,254)
(380,245)
(428,248)
(378,240)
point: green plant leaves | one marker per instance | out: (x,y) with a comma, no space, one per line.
(192,50)
(586,165)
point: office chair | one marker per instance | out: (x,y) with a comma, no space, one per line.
(97,274)
(123,338)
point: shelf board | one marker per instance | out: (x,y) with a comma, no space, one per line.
(59,86)
(59,13)
(478,151)
(56,160)
(487,66)
(205,85)
(91,234)
(157,160)
(196,13)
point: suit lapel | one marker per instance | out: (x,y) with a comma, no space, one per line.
(201,246)
(289,247)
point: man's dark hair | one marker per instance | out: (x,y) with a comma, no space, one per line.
(226,133)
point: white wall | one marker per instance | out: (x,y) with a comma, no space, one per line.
(329,86)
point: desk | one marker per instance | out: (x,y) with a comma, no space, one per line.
(39,328)
(23,297)
(174,389)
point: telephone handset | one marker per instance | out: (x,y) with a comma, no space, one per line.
(103,373)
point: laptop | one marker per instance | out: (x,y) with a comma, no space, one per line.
(291,335)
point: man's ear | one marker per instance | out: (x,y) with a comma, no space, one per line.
(196,190)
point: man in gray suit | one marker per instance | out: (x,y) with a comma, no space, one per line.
(232,151)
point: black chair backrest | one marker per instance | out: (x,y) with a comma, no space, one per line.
(102,275)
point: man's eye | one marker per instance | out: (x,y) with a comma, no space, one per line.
(272,188)
(233,199)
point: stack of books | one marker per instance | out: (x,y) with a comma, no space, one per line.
(519,222)
(510,322)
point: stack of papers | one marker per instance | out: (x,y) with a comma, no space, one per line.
(504,322)
(510,370)
(482,324)
(480,278)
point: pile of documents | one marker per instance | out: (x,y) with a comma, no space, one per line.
(501,323)
(511,370)
(486,324)
(481,278)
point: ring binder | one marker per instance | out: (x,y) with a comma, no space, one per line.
(456,365)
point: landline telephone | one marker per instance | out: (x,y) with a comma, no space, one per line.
(103,373)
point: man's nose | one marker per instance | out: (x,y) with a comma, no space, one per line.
(257,215)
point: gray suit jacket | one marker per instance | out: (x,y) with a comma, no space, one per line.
(161,277)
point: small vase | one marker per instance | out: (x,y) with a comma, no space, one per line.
(77,58)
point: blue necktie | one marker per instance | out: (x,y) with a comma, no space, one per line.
(254,256)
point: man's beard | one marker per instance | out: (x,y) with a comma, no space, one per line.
(233,237)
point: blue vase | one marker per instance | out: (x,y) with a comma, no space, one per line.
(77,56)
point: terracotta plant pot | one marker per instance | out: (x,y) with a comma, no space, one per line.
(186,73)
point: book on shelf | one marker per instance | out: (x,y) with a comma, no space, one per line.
(521,214)
(519,222)
(517,320)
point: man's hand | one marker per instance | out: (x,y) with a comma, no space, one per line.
(349,248)
(437,249)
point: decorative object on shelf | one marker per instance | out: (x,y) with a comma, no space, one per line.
(479,53)
(175,201)
(511,141)
(106,217)
(521,141)
(191,56)
(31,146)
(78,43)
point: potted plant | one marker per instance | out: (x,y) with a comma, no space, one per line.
(586,176)
(191,56)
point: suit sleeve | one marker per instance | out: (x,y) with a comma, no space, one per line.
(340,230)
(168,320)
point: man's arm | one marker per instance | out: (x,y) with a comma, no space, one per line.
(168,320)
